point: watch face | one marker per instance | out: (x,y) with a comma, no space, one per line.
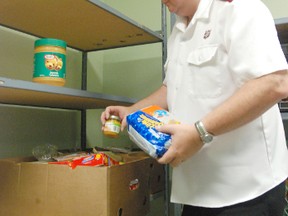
(207,138)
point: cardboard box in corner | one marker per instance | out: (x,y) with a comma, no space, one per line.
(40,189)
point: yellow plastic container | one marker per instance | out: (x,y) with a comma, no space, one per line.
(50,61)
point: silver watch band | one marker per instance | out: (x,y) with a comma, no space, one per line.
(201,128)
(205,136)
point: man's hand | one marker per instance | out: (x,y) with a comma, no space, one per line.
(185,143)
(120,111)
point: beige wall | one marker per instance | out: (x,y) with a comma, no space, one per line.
(278,8)
(133,71)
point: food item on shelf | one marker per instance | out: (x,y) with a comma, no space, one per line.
(142,131)
(112,126)
(50,61)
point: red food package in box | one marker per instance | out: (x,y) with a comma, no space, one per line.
(99,159)
(91,160)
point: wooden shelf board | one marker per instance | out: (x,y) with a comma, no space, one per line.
(84,25)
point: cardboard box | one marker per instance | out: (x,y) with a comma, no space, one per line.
(157,177)
(41,189)
(156,174)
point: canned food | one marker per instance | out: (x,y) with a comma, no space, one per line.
(112,126)
(50,61)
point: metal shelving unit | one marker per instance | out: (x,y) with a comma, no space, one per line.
(86,25)
(286,198)
(282,29)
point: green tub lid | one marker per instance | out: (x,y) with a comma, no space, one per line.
(50,42)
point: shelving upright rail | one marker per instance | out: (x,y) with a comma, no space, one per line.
(84,30)
(282,29)
(164,57)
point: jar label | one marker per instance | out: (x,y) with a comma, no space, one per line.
(49,64)
(112,126)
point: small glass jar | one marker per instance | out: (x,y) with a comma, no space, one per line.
(112,126)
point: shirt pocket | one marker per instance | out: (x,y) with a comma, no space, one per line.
(202,55)
(204,72)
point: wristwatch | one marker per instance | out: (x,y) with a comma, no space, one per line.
(205,136)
